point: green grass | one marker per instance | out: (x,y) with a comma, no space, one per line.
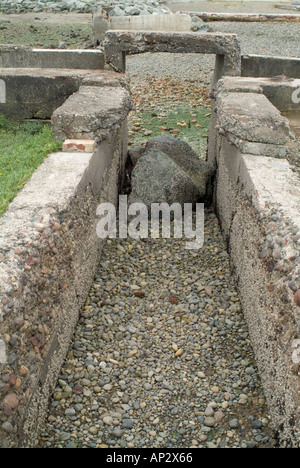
(180,122)
(23,147)
(44,35)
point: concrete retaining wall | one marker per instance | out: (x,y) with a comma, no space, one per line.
(36,93)
(262,66)
(49,255)
(257,201)
(27,57)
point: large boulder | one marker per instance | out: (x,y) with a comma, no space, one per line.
(187,159)
(156,178)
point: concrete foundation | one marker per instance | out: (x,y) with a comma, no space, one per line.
(257,201)
(49,255)
(36,93)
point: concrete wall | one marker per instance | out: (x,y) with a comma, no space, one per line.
(36,93)
(257,201)
(262,66)
(49,255)
(171,22)
(27,57)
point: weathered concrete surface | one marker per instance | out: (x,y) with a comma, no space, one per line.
(92,113)
(172,22)
(251,117)
(27,57)
(49,255)
(156,178)
(281,91)
(36,93)
(257,201)
(262,66)
(248,112)
(226,47)
(246,17)
(200,171)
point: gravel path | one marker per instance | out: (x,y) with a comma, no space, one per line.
(272,39)
(161,357)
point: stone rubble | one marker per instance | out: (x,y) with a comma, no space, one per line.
(113,7)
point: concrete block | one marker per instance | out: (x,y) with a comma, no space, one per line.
(257,200)
(251,117)
(91,113)
(262,66)
(171,22)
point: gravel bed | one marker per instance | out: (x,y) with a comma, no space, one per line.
(227,7)
(270,39)
(161,356)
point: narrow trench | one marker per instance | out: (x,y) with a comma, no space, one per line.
(161,356)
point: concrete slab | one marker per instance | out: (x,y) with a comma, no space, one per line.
(91,113)
(226,47)
(27,57)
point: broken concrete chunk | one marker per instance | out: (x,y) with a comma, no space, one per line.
(91,113)
(251,117)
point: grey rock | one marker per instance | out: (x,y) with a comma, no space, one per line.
(128,424)
(233,424)
(118,433)
(135,154)
(256,424)
(8,427)
(158,179)
(186,158)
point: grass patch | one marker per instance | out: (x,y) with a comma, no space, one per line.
(190,126)
(23,147)
(44,35)
(170,106)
